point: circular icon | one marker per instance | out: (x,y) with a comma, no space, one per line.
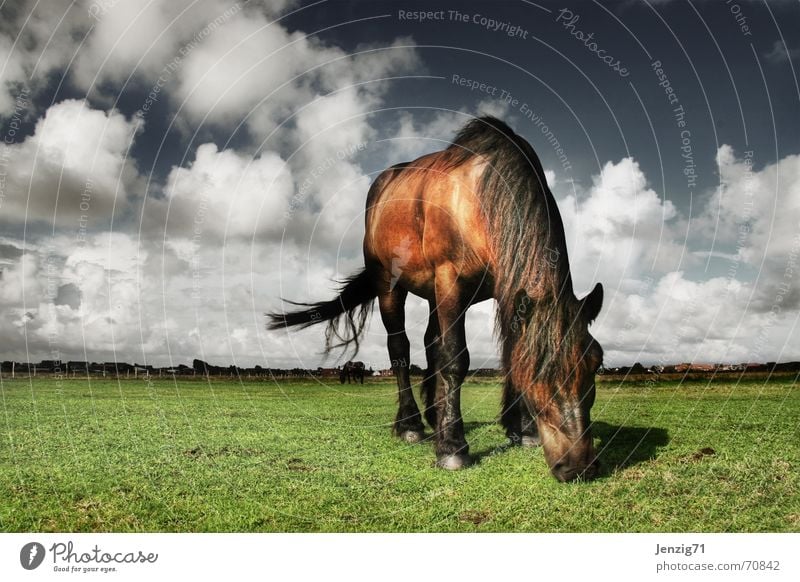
(31,555)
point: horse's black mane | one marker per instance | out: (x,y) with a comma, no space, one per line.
(529,246)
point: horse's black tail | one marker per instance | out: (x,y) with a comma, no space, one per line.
(352,307)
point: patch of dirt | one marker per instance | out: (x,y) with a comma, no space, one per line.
(474,517)
(199,452)
(87,505)
(704,452)
(295,464)
(194,453)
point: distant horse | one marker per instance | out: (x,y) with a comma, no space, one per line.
(352,370)
(456,227)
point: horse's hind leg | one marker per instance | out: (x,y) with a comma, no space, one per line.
(431,355)
(517,419)
(408,423)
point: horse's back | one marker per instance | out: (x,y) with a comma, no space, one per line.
(425,214)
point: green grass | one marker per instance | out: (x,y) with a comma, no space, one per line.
(229,456)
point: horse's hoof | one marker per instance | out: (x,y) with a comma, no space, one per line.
(413,436)
(453,462)
(531,441)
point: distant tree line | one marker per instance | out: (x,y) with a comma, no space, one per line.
(72,369)
(692,368)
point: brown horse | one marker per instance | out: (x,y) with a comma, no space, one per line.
(456,227)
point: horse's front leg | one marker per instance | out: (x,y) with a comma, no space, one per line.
(517,419)
(408,422)
(452,450)
(432,340)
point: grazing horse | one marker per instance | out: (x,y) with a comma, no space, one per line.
(472,222)
(354,370)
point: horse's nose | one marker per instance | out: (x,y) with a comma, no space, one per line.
(563,472)
(569,472)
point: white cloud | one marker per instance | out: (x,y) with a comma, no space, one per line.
(60,174)
(101,316)
(619,229)
(109,43)
(418,134)
(656,313)
(137,39)
(780,53)
(138,299)
(181,291)
(224,193)
(754,214)
(36,40)
(251,67)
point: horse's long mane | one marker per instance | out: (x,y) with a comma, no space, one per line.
(529,246)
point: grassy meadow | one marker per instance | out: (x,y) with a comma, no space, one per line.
(198,455)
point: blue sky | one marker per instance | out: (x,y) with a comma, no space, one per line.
(169,170)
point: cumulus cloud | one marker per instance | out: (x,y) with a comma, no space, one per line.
(62,295)
(280,212)
(415,134)
(619,228)
(64,176)
(120,295)
(224,193)
(137,39)
(109,44)
(250,69)
(753,214)
(37,39)
(622,233)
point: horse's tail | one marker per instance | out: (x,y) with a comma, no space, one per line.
(352,308)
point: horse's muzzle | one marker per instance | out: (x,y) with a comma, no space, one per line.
(566,472)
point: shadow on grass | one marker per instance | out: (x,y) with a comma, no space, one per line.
(618,447)
(468,428)
(474,425)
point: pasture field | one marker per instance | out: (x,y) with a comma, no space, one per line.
(194,455)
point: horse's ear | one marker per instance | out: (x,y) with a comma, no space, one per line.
(591,304)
